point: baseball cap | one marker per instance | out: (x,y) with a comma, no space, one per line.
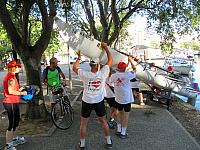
(53,60)
(121,65)
(94,61)
(13,63)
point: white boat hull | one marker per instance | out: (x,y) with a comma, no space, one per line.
(179,65)
(181,69)
(151,77)
(90,48)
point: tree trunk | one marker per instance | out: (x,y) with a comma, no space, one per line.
(36,108)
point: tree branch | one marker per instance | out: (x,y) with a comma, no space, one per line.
(9,26)
(116,22)
(47,25)
(130,13)
(91,20)
(103,22)
(81,23)
(92,7)
(25,15)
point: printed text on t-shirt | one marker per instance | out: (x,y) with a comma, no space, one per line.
(94,85)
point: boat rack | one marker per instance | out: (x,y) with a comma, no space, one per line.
(162,96)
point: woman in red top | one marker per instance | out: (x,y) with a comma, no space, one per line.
(11,101)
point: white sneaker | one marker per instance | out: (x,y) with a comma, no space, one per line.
(142,104)
(9,146)
(18,141)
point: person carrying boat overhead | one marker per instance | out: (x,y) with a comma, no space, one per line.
(93,95)
(123,95)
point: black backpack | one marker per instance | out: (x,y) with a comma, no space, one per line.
(45,72)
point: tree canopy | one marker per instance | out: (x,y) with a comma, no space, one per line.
(29,24)
(105,19)
(5,44)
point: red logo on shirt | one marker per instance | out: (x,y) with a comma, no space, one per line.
(96,84)
(119,81)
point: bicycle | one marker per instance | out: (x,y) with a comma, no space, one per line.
(62,113)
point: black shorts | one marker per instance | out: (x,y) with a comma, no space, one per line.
(111,102)
(98,107)
(125,107)
(135,89)
(13,112)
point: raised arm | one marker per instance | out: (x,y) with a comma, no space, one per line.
(109,56)
(130,60)
(75,65)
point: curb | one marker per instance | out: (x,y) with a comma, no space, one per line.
(189,135)
(53,128)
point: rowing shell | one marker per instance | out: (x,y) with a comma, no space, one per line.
(91,48)
(151,77)
(88,47)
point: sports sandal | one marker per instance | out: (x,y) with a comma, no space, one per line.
(10,146)
(109,146)
(123,136)
(18,141)
(78,146)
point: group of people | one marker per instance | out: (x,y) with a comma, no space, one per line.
(12,93)
(99,83)
(97,86)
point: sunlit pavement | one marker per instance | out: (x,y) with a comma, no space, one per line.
(150,128)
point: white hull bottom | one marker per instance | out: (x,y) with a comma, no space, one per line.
(160,81)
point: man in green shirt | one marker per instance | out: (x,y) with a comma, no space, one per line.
(52,77)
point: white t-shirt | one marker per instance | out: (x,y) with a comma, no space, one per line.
(108,92)
(135,84)
(122,87)
(94,84)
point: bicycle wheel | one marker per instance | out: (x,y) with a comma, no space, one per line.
(62,115)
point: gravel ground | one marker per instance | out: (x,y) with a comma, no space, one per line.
(187,116)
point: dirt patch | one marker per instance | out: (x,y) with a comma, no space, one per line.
(187,116)
(26,127)
(34,127)
(30,127)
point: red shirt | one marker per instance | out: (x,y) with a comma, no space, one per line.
(9,98)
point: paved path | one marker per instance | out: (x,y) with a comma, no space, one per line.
(150,128)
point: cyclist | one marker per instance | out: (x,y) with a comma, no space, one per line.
(52,77)
(93,95)
(11,102)
(123,95)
